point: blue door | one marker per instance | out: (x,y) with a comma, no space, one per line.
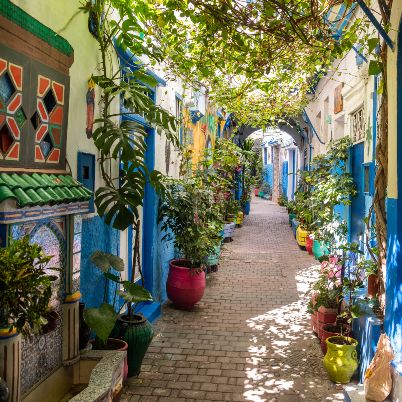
(357,210)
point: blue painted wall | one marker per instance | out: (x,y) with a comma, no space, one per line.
(96,235)
(269,174)
(393,286)
(285,178)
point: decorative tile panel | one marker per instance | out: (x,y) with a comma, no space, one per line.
(47,120)
(12,114)
(77,253)
(42,354)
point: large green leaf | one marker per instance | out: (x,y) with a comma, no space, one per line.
(134,293)
(105,261)
(101,320)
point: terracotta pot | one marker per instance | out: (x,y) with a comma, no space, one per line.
(120,345)
(325,316)
(329,330)
(373,286)
(309,244)
(256,191)
(185,287)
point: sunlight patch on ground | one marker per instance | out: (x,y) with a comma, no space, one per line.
(285,361)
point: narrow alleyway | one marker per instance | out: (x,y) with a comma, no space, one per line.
(249,339)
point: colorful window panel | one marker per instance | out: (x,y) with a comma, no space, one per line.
(12,114)
(47,120)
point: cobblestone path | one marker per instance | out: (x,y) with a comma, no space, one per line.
(249,338)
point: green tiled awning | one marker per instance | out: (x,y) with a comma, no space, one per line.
(33,189)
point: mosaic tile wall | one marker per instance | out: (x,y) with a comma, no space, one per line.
(42,354)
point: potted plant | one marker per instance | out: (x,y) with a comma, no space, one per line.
(340,360)
(370,268)
(265,191)
(327,298)
(131,331)
(25,287)
(184,212)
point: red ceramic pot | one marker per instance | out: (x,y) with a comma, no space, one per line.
(325,316)
(185,287)
(256,191)
(309,244)
(373,286)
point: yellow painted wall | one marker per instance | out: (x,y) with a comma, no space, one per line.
(396,16)
(196,135)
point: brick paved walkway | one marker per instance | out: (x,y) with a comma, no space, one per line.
(249,338)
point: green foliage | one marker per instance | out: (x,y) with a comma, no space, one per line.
(134,293)
(244,51)
(118,23)
(102,319)
(25,286)
(188,209)
(326,185)
(105,261)
(250,165)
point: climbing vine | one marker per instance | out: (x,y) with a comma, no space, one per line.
(259,59)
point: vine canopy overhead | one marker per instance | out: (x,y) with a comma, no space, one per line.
(259,59)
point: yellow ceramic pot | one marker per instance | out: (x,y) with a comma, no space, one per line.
(239,218)
(301,236)
(340,360)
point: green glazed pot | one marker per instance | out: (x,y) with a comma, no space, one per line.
(261,194)
(319,249)
(138,334)
(213,259)
(340,360)
(291,217)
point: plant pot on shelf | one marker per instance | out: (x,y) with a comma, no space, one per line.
(309,243)
(261,194)
(373,285)
(247,207)
(340,360)
(185,286)
(137,332)
(118,345)
(256,191)
(325,316)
